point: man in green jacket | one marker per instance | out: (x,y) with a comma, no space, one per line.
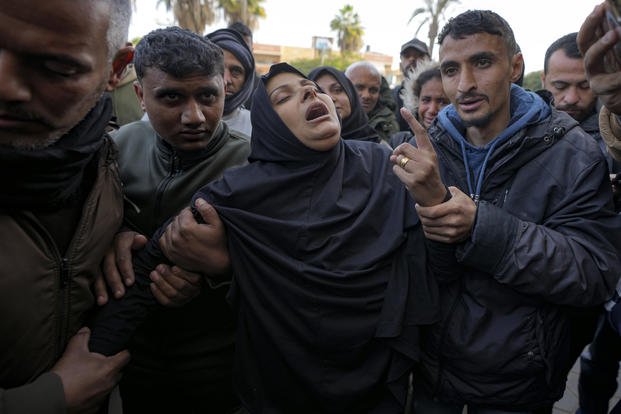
(181,358)
(375,97)
(60,199)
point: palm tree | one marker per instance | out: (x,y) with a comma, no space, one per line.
(193,15)
(245,11)
(434,10)
(348,28)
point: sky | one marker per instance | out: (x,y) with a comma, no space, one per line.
(536,23)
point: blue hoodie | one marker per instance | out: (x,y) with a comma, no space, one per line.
(526,108)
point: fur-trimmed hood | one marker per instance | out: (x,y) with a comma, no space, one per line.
(410,100)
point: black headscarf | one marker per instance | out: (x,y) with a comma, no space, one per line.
(233,42)
(330,278)
(356,125)
(322,277)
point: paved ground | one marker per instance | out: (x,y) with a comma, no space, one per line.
(569,402)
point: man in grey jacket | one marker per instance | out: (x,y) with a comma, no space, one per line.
(181,358)
(522,238)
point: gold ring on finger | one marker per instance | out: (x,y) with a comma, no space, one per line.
(403,161)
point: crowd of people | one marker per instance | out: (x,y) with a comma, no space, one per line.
(182,235)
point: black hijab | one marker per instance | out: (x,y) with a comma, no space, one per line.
(232,41)
(330,277)
(322,278)
(356,125)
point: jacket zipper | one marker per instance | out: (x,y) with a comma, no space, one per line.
(64,272)
(64,281)
(64,302)
(174,170)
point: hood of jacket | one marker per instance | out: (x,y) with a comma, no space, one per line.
(514,147)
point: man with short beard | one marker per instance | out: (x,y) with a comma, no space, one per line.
(412,52)
(565,78)
(523,238)
(60,199)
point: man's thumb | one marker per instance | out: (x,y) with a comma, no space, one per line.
(206,211)
(139,241)
(80,339)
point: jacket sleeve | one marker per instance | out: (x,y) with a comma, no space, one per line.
(442,261)
(571,258)
(45,395)
(610,130)
(116,322)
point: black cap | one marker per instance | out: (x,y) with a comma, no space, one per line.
(415,44)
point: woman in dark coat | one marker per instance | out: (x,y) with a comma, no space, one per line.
(330,275)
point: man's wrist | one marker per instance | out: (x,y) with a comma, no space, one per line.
(442,195)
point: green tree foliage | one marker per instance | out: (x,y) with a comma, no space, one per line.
(532,80)
(348,28)
(431,14)
(341,62)
(195,15)
(246,11)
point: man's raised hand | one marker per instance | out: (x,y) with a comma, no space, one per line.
(417,167)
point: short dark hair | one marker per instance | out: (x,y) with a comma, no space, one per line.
(179,53)
(425,77)
(241,28)
(568,43)
(479,21)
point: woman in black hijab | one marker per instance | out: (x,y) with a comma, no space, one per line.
(329,264)
(355,124)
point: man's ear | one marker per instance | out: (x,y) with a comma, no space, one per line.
(517,64)
(139,93)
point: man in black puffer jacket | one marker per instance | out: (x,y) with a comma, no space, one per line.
(524,238)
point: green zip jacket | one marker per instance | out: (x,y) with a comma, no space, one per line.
(382,118)
(158,181)
(188,349)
